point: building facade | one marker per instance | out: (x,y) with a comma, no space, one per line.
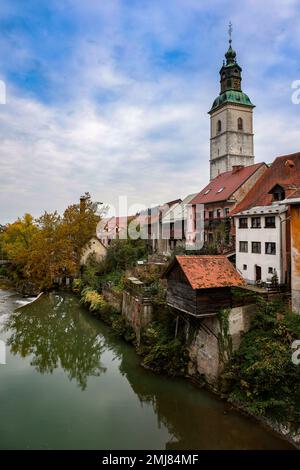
(219,198)
(261,244)
(263,223)
(231,121)
(94,248)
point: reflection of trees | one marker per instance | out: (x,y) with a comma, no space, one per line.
(56,332)
(194,418)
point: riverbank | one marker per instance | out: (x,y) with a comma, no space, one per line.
(164,355)
(5,283)
(95,390)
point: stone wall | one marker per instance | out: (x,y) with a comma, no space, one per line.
(205,348)
(113,298)
(138,313)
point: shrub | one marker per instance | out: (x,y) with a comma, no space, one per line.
(77,286)
(122,328)
(94,300)
(162,353)
(263,376)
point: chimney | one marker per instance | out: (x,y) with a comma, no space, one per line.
(236,168)
(83,200)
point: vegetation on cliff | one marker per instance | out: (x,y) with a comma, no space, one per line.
(263,376)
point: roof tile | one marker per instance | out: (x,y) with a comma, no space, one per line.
(230,181)
(285,171)
(205,272)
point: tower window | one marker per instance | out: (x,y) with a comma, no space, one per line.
(219,126)
(240,124)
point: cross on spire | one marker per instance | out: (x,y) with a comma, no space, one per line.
(230,32)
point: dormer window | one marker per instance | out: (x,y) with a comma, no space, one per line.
(219,126)
(278,193)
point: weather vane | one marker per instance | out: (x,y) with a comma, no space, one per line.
(230,31)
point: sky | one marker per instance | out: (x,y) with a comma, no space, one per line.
(111,96)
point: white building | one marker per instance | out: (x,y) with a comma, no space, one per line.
(93,248)
(174,225)
(261,243)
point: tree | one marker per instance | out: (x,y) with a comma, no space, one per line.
(79,223)
(18,237)
(49,247)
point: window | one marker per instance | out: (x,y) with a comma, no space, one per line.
(277,192)
(243,222)
(211,214)
(220,190)
(270,222)
(228,83)
(219,126)
(244,267)
(226,211)
(255,222)
(278,196)
(256,247)
(207,191)
(240,124)
(270,248)
(218,213)
(270,270)
(243,247)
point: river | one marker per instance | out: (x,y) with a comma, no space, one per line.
(70,383)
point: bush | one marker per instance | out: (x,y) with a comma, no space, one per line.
(122,328)
(162,353)
(94,300)
(123,254)
(263,376)
(77,286)
(3,271)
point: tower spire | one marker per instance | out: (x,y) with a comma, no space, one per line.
(230,32)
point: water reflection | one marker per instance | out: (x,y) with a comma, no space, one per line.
(55,333)
(160,413)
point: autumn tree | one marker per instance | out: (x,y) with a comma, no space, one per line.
(80,221)
(49,247)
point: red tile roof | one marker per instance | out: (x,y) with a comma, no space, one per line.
(205,272)
(230,181)
(284,171)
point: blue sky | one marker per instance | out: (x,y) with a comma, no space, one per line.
(111,96)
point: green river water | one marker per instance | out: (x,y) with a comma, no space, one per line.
(69,383)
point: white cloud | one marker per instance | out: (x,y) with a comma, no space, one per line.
(122,122)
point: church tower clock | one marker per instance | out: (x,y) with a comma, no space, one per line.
(231,120)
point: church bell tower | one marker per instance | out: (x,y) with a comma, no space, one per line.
(231,120)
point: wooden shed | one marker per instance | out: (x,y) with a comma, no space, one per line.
(201,285)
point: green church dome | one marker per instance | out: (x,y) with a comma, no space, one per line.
(232,96)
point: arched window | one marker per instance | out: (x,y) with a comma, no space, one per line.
(240,124)
(219,126)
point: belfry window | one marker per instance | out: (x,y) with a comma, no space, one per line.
(219,126)
(240,124)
